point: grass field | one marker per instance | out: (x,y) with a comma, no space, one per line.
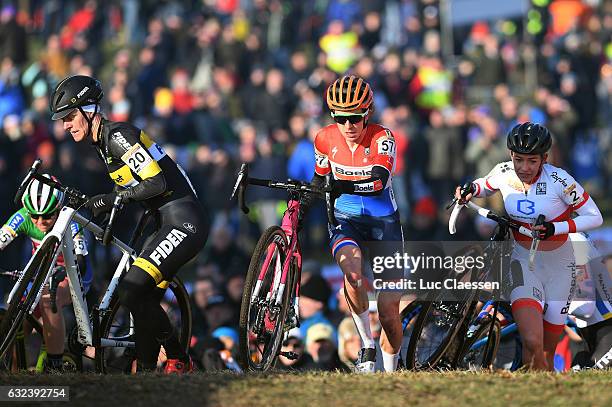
(333,389)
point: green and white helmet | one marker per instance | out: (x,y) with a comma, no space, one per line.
(41,199)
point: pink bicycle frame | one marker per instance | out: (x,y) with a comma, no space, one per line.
(289,225)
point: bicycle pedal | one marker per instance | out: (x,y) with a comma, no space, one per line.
(290,355)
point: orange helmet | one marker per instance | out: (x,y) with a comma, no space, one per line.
(349,93)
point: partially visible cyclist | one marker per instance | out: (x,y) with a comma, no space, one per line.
(41,206)
(530,187)
(142,173)
(592,304)
(361,157)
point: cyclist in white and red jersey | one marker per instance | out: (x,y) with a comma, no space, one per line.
(530,187)
(361,157)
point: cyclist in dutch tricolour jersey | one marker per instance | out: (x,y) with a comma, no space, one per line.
(41,205)
(361,157)
(592,304)
(530,187)
(144,173)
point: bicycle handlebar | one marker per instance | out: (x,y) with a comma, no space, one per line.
(486,213)
(11,274)
(503,222)
(26,181)
(300,187)
(75,197)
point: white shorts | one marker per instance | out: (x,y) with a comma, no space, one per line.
(549,287)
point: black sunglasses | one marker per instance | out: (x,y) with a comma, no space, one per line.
(45,216)
(353,119)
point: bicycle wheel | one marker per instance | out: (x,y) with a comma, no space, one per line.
(261,319)
(480,348)
(408,317)
(118,325)
(510,351)
(435,328)
(18,308)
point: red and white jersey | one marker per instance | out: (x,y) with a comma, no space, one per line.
(376,148)
(555,194)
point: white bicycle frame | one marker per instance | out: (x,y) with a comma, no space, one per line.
(63,232)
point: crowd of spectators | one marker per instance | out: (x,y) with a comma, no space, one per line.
(220,82)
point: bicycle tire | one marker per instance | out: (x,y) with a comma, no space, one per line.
(439,321)
(480,349)
(266,328)
(17,309)
(117,361)
(510,351)
(13,361)
(408,317)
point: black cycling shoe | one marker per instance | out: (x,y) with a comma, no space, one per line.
(366,361)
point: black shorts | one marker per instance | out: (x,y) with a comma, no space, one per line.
(182,234)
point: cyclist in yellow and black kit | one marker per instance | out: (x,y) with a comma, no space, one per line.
(143,173)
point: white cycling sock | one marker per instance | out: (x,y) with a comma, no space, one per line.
(362,322)
(390,361)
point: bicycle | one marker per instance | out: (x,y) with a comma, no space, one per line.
(484,333)
(15,359)
(270,300)
(446,330)
(110,327)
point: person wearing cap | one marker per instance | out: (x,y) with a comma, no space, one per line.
(321,346)
(219,312)
(143,173)
(424,224)
(229,337)
(314,295)
(294,343)
(349,342)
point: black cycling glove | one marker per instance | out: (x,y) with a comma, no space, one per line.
(548,232)
(101,203)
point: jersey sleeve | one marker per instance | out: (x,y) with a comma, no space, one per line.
(321,147)
(12,228)
(573,194)
(570,191)
(384,150)
(491,182)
